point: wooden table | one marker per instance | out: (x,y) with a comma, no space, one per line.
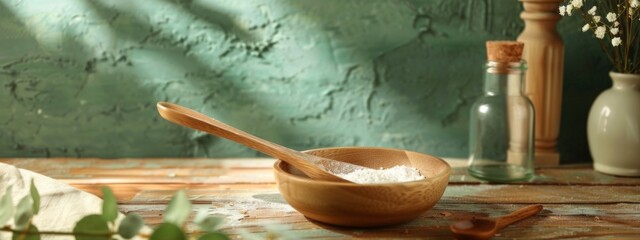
(578,202)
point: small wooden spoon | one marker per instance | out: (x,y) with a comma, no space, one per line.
(485,228)
(313,166)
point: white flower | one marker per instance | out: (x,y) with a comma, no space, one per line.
(596,18)
(616,41)
(616,23)
(592,11)
(569,9)
(614,31)
(562,10)
(585,27)
(611,17)
(600,31)
(576,3)
(635,3)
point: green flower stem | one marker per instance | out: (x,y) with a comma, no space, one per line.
(626,56)
(627,49)
(9,229)
(587,19)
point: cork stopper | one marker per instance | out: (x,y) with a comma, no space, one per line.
(504,51)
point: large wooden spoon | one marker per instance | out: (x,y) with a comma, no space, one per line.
(485,228)
(313,166)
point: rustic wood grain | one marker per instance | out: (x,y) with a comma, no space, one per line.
(579,203)
(256,170)
(555,221)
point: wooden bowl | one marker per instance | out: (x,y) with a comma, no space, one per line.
(365,205)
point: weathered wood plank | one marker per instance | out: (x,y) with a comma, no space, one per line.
(541,194)
(128,192)
(153,169)
(256,170)
(579,203)
(556,221)
(556,175)
(159,194)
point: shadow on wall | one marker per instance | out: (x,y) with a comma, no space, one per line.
(60,103)
(403,75)
(585,76)
(86,83)
(81,78)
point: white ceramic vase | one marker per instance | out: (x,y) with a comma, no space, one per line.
(613,127)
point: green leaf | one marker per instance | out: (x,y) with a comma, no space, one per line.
(109,205)
(92,227)
(130,226)
(209,223)
(214,236)
(205,222)
(24,213)
(35,195)
(32,234)
(168,231)
(179,209)
(6,207)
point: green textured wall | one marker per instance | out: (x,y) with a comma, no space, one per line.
(81,78)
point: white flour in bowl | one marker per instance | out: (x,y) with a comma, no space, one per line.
(389,175)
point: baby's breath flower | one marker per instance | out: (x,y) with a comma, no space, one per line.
(600,31)
(614,31)
(585,27)
(576,3)
(612,23)
(611,17)
(616,41)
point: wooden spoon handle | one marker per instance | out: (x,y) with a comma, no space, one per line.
(308,164)
(196,120)
(518,215)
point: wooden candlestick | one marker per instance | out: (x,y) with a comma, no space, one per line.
(544,53)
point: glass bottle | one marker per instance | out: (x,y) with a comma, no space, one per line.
(501,139)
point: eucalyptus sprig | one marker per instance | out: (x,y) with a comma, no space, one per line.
(104,226)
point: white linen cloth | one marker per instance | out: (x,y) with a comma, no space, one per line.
(61,205)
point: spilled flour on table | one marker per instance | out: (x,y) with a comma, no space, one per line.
(235,209)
